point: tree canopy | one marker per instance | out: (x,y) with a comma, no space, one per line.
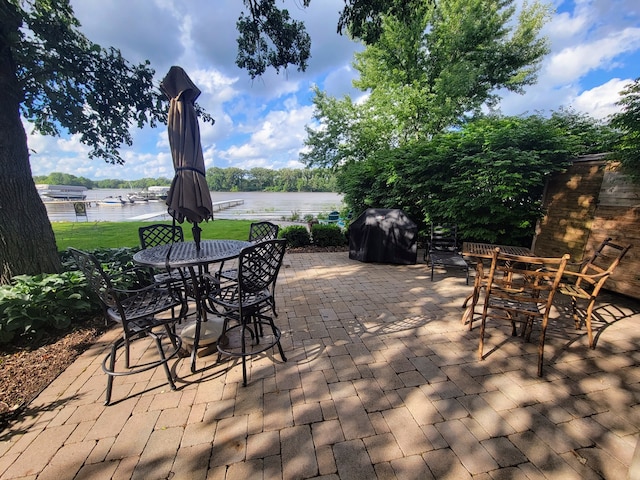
(269,37)
(426,73)
(628,122)
(487,176)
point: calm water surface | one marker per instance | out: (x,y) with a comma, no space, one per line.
(256,206)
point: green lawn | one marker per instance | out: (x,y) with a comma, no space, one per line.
(89,236)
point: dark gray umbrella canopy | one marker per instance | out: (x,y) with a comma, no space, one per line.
(189,196)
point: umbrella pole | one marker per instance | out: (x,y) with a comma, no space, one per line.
(196,235)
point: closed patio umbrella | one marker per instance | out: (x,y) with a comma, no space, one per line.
(189,196)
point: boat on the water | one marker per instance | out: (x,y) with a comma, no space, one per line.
(137,197)
(112,201)
(61,192)
(157,192)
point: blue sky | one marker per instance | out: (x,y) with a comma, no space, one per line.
(595,52)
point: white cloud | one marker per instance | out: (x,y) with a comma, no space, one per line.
(576,61)
(600,101)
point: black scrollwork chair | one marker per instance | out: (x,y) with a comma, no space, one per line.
(248,305)
(135,310)
(162,234)
(258,232)
(443,250)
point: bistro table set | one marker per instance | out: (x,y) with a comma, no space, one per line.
(186,283)
(520,287)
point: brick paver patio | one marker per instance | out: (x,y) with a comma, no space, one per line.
(382,381)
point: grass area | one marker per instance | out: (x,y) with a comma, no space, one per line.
(92,235)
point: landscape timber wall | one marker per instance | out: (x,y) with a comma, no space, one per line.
(586,204)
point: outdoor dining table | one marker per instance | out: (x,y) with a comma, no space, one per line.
(185,255)
(481,252)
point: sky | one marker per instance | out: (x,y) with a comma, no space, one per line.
(595,52)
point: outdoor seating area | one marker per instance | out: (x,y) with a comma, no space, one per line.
(378,382)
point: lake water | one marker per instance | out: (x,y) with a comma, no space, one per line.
(256,206)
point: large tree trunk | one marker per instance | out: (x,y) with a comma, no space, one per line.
(27,242)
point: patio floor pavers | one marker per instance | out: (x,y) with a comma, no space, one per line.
(382,381)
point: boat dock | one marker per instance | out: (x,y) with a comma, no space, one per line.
(217,206)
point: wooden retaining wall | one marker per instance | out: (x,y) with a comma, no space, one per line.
(586,204)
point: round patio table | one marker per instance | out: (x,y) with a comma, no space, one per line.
(186,255)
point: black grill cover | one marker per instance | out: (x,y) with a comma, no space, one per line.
(383,236)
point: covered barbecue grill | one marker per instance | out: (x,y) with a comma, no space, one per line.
(383,236)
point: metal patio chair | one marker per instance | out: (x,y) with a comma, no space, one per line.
(443,250)
(258,232)
(589,279)
(248,305)
(136,311)
(520,289)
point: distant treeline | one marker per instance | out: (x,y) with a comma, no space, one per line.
(220,180)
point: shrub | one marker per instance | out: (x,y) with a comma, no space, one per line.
(327,235)
(32,305)
(296,236)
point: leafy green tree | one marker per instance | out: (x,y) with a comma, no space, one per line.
(628,122)
(269,37)
(57,79)
(426,72)
(260,179)
(487,176)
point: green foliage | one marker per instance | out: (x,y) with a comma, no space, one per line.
(487,177)
(70,82)
(327,235)
(34,305)
(425,73)
(234,179)
(296,236)
(363,18)
(627,149)
(269,37)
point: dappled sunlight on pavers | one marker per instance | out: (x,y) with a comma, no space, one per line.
(382,380)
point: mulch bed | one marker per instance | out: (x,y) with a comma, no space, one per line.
(26,368)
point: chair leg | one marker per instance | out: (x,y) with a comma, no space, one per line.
(126,352)
(244,354)
(277,334)
(592,303)
(194,347)
(112,366)
(574,312)
(171,333)
(543,331)
(469,313)
(164,359)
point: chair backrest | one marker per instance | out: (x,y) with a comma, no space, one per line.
(259,264)
(333,217)
(261,231)
(96,277)
(160,234)
(597,269)
(523,283)
(444,238)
